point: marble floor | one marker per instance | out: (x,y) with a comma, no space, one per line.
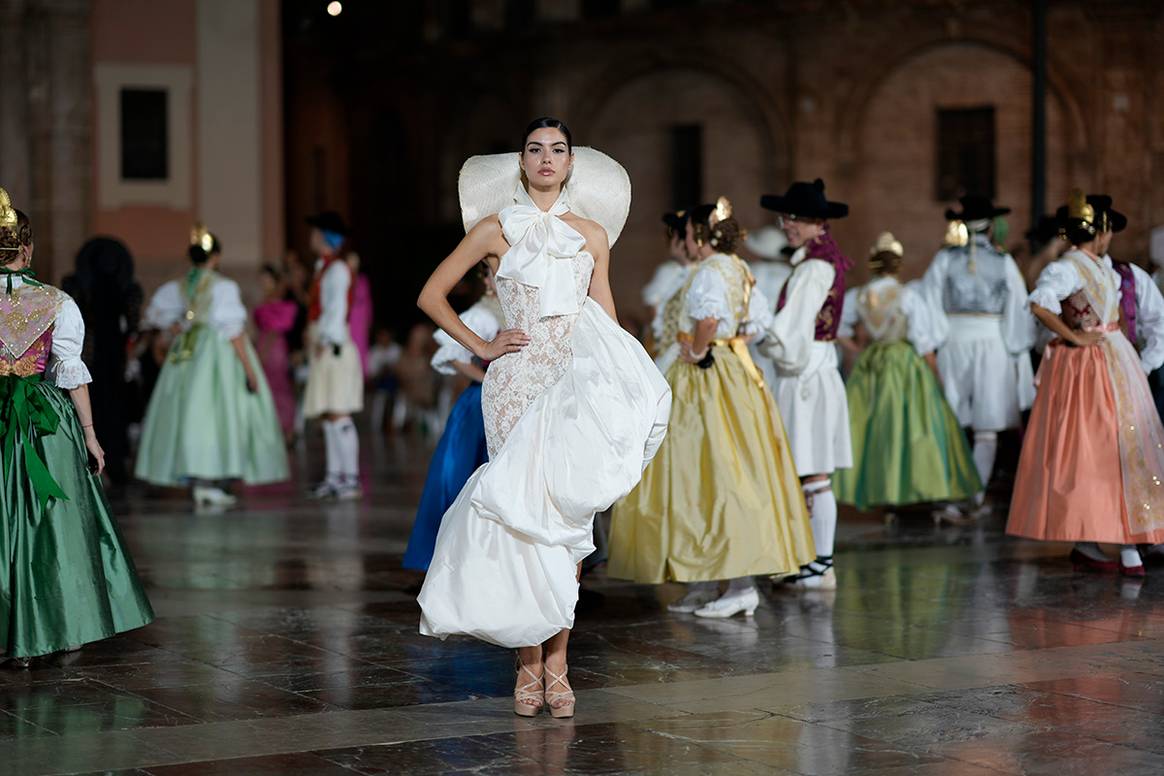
(286,644)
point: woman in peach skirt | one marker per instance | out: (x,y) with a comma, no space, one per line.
(1092,465)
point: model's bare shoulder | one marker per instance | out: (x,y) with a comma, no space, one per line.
(488,237)
(595,236)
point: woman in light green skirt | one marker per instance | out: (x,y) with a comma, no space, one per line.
(907,445)
(211,417)
(67,578)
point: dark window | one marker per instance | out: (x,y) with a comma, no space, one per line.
(686,165)
(144,135)
(600,9)
(966,152)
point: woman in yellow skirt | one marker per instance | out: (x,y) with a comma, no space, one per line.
(721,501)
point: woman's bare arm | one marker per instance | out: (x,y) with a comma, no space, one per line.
(599,248)
(483,240)
(80,397)
(694,351)
(240,350)
(470,370)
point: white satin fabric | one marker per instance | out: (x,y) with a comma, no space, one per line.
(542,246)
(504,569)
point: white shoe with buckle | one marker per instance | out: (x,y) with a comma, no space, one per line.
(732,603)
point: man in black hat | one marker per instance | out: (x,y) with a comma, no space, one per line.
(335,382)
(668,280)
(984,361)
(801,340)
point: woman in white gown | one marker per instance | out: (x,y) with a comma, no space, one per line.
(574,408)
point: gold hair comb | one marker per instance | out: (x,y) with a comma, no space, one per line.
(887,243)
(723,210)
(7,212)
(1079,208)
(200,236)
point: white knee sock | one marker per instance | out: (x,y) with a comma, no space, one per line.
(1130,556)
(349,448)
(823,517)
(331,447)
(740,585)
(985,449)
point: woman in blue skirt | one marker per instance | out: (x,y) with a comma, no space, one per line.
(461,449)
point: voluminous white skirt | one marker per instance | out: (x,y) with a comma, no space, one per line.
(816,413)
(505,565)
(986,385)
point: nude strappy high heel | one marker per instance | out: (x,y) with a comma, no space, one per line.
(528,698)
(561,702)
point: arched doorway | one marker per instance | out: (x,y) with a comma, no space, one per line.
(895,145)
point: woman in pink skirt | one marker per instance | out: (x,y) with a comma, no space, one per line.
(1092,465)
(274,318)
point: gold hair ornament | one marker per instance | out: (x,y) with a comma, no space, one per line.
(1079,209)
(201,236)
(887,243)
(8,218)
(722,212)
(957,235)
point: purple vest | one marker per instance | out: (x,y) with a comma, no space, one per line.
(1127,298)
(828,320)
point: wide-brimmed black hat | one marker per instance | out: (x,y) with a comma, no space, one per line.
(975,207)
(676,220)
(329,221)
(806,200)
(1101,204)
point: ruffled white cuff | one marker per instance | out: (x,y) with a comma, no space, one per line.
(70,374)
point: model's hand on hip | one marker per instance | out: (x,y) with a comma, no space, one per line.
(507,341)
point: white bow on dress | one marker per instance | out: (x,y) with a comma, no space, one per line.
(542,245)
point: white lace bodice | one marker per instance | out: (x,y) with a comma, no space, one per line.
(542,281)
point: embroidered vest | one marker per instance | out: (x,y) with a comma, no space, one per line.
(27,316)
(828,319)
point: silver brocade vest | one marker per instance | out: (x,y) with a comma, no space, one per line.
(976,280)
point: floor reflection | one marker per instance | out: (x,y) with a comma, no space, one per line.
(291,629)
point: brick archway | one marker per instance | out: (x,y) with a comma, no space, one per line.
(854,106)
(753,97)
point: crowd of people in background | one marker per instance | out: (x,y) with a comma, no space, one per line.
(127,351)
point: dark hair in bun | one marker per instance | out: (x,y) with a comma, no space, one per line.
(199,255)
(548,122)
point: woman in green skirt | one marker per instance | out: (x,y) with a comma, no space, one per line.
(68,578)
(211,417)
(907,445)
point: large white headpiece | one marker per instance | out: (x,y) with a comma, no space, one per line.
(598,188)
